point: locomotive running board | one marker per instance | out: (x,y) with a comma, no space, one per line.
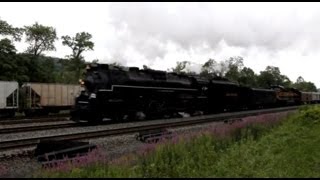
(146,87)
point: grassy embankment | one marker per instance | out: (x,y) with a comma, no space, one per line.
(263,146)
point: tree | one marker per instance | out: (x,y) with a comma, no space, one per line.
(302,85)
(211,68)
(95,61)
(268,77)
(181,65)
(41,38)
(236,61)
(247,77)
(306,86)
(7,30)
(145,67)
(208,69)
(300,80)
(285,81)
(79,44)
(222,69)
(8,61)
(116,64)
(7,47)
(234,66)
(272,76)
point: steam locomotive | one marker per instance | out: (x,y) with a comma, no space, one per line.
(121,93)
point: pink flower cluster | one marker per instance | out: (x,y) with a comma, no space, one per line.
(95,156)
(217,130)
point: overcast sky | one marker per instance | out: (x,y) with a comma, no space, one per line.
(286,35)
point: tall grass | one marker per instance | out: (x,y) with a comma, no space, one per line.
(269,145)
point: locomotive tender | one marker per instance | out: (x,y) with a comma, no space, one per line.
(118,92)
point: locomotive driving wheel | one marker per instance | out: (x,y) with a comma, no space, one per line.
(155,109)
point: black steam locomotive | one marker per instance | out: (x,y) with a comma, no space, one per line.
(118,93)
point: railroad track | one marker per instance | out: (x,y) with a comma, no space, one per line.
(38,127)
(35,120)
(34,117)
(13,144)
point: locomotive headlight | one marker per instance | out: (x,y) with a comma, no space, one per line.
(92,95)
(81,82)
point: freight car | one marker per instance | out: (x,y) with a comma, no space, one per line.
(45,98)
(310,97)
(306,97)
(36,98)
(315,98)
(9,98)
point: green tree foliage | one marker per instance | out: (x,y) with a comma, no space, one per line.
(233,69)
(34,67)
(180,67)
(9,65)
(8,30)
(234,65)
(95,61)
(302,85)
(229,69)
(212,69)
(7,47)
(41,38)
(247,77)
(272,76)
(26,68)
(208,69)
(286,81)
(300,79)
(78,44)
(63,73)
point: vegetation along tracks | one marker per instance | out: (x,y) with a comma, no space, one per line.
(13,144)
